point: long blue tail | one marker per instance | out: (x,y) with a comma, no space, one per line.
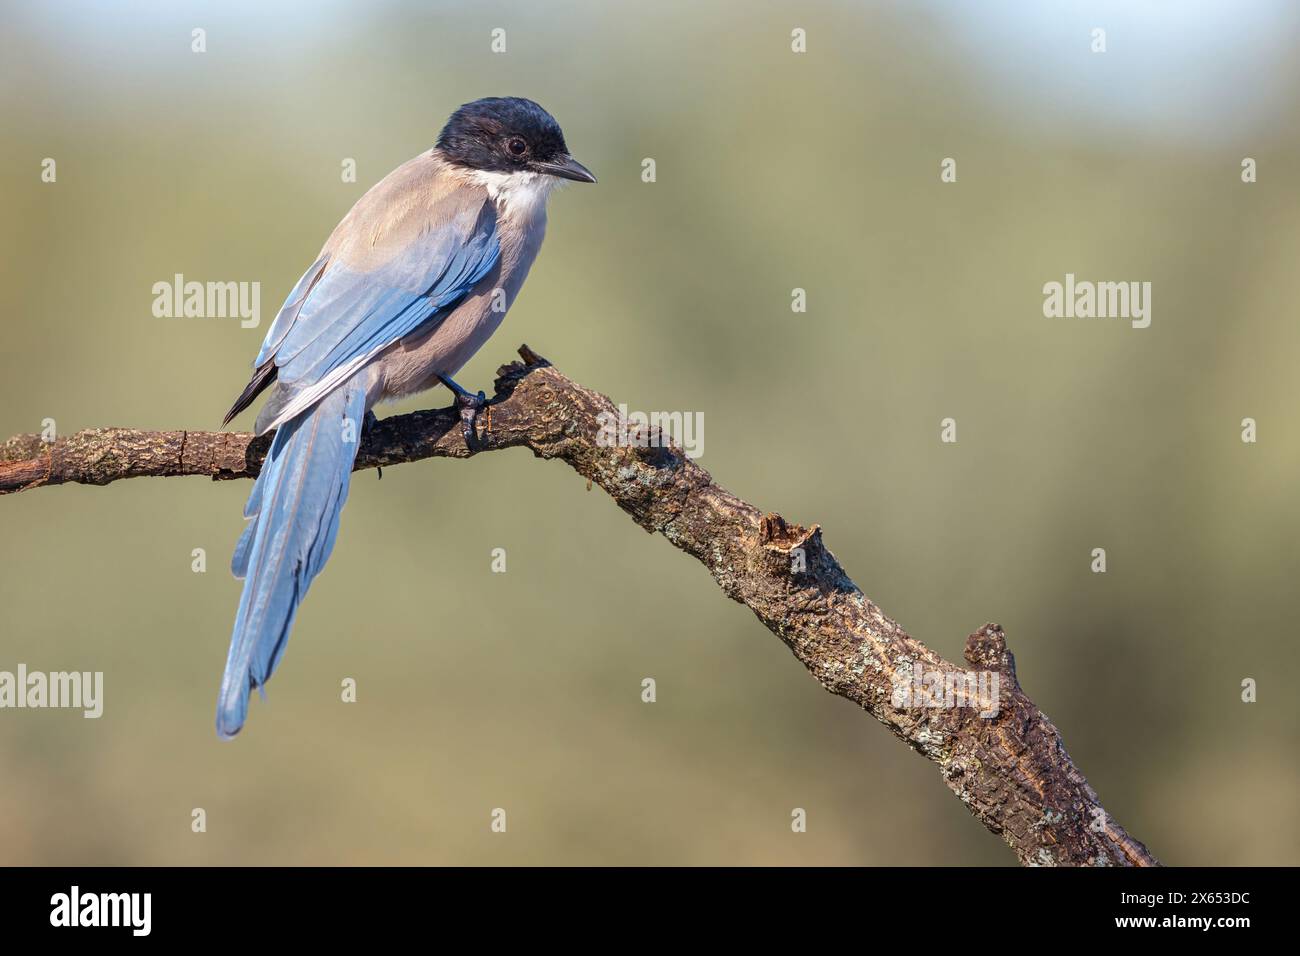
(294,510)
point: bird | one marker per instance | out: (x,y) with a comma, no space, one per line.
(408,286)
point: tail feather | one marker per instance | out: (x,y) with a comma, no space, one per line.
(293,515)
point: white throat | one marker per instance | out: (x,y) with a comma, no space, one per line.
(520,195)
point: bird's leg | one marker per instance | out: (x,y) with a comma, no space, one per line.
(367,423)
(469,405)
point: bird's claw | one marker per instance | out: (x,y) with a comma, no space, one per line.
(469,405)
(367,423)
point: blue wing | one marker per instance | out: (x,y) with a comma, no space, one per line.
(351,305)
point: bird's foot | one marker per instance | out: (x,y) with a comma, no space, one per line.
(367,423)
(469,406)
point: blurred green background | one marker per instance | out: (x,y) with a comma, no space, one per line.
(775,170)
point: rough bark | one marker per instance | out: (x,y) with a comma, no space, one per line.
(1011,770)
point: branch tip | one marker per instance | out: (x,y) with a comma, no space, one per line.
(987,648)
(531,358)
(780,535)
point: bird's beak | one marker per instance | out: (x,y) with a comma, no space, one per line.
(569,168)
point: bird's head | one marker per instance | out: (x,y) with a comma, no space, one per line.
(509,134)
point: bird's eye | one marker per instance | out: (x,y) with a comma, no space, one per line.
(517,146)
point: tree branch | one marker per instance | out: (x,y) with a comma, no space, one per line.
(1010,770)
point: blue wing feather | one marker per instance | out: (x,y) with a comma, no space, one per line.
(289,311)
(351,313)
